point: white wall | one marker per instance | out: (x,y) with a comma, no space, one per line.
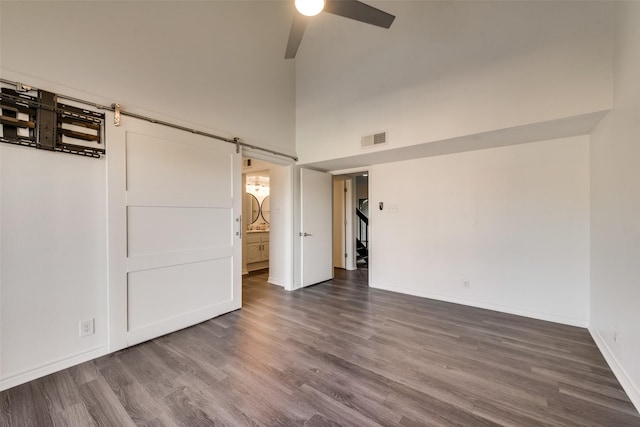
(216,64)
(193,63)
(280,234)
(54,261)
(513,221)
(615,212)
(449,69)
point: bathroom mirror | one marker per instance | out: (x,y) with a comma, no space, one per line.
(253,207)
(265,209)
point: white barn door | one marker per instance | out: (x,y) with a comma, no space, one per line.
(174,224)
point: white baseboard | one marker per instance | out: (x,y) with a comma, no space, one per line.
(275,281)
(50,368)
(632,390)
(488,306)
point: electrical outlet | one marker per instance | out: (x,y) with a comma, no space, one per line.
(466,283)
(87,327)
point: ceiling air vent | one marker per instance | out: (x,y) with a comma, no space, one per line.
(379,138)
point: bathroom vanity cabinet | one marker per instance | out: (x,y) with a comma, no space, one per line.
(257,252)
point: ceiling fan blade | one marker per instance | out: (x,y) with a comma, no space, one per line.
(354,9)
(295,36)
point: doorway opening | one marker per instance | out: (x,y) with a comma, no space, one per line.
(256,215)
(266,220)
(351,221)
(362,221)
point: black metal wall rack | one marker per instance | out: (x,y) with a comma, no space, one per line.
(40,121)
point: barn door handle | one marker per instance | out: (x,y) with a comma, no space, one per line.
(239,233)
(304,234)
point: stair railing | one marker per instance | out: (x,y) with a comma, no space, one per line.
(362,229)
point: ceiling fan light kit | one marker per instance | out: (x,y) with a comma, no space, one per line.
(352,9)
(309,7)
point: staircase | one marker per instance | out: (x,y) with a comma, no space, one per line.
(362,240)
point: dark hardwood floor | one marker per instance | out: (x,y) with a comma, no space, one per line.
(338,353)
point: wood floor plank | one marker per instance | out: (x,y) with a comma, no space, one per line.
(73,416)
(139,403)
(103,405)
(23,407)
(338,354)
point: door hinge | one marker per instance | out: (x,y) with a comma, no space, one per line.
(239,232)
(345,255)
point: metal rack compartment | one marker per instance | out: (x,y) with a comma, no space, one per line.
(40,121)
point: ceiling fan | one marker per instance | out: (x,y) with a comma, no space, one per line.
(352,9)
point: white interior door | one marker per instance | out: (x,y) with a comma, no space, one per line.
(316,227)
(339,224)
(174,207)
(349,209)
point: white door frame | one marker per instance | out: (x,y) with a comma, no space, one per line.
(289,257)
(340,236)
(344,254)
(353,201)
(350,231)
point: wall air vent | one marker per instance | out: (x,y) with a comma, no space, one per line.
(379,138)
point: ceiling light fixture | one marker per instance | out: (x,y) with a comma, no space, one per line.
(310,7)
